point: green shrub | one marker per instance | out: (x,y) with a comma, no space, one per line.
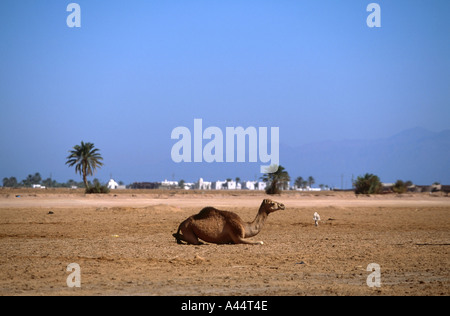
(368,184)
(97,189)
(277,180)
(401,187)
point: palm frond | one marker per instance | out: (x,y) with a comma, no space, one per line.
(86,159)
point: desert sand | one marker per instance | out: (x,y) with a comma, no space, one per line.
(123,244)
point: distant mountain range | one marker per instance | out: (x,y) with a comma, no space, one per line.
(416,154)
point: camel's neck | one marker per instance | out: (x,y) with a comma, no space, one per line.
(253,228)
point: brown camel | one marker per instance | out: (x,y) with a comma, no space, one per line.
(223,227)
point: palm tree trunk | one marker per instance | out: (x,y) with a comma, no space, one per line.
(85,177)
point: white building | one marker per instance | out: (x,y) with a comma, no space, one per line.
(204,185)
(112,185)
(260,186)
(219,185)
(307,188)
(233,185)
(189,186)
(169,184)
(250,185)
(254,185)
(226,185)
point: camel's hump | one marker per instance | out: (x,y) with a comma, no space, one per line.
(208,212)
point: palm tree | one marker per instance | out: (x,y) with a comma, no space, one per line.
(299,182)
(86,159)
(277,180)
(311,181)
(237,181)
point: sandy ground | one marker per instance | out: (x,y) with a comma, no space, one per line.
(123,243)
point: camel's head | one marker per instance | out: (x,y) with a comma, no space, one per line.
(271,206)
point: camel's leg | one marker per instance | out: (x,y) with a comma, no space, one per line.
(191,239)
(240,240)
(186,234)
(179,238)
(189,236)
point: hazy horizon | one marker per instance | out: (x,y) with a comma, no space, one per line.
(247,171)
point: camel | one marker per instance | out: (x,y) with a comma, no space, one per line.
(224,227)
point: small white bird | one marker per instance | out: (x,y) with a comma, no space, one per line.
(316,218)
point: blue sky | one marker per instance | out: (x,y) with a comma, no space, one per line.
(135,70)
